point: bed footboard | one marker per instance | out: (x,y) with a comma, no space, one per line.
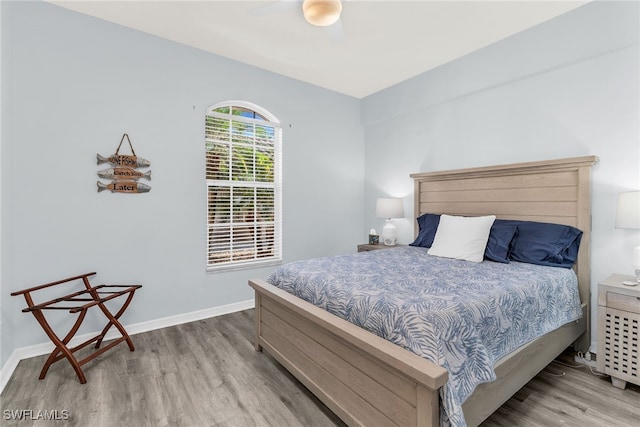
(362,378)
(518,368)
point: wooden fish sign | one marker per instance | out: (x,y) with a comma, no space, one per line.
(124,160)
(124,187)
(124,175)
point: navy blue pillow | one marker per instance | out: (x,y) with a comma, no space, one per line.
(428,224)
(500,243)
(542,243)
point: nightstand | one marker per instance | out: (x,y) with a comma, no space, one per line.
(366,247)
(619,330)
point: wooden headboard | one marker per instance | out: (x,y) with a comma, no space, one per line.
(557,191)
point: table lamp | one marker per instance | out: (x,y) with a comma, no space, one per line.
(628,216)
(388,209)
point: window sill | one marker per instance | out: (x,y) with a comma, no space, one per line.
(243,266)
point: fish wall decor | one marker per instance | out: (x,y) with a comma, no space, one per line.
(123,174)
(124,160)
(124,187)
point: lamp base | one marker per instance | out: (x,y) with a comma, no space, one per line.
(389,234)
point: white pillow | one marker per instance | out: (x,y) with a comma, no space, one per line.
(462,237)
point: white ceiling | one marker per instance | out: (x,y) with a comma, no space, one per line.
(376,44)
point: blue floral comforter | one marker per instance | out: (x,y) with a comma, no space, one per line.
(461,315)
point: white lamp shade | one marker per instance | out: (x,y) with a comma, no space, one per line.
(389,208)
(628,213)
(635,257)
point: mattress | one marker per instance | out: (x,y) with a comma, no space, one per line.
(461,315)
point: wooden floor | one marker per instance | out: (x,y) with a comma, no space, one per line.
(206,373)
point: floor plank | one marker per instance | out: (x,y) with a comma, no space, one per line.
(206,373)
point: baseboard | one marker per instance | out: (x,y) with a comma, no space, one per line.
(135,328)
(7,370)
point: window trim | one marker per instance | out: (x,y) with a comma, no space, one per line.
(273,121)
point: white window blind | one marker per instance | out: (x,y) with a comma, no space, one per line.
(243,186)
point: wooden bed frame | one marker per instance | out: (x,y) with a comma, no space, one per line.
(369,381)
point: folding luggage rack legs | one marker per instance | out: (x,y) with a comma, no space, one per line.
(80,301)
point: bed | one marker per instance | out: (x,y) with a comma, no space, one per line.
(367,380)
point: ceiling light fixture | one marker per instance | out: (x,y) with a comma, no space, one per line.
(321,13)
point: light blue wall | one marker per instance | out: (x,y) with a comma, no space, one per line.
(568,87)
(6,334)
(78,84)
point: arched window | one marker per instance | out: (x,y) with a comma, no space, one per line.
(243,185)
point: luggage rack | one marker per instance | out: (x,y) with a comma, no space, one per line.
(79,303)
